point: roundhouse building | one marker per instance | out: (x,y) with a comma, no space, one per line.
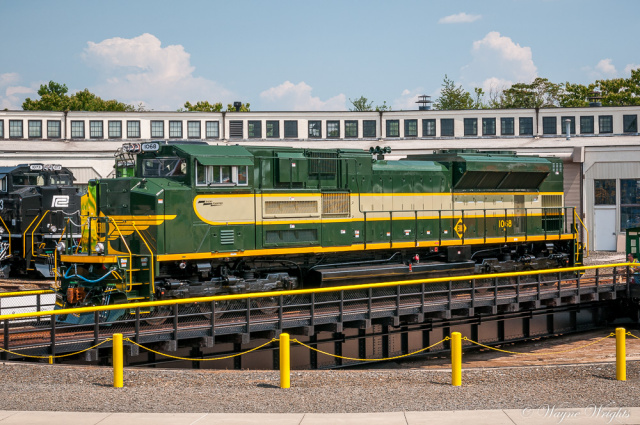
(600,146)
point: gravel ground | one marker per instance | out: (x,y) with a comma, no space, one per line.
(416,388)
(71,388)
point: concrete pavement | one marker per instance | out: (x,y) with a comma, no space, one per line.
(537,416)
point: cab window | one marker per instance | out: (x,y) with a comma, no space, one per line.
(221,175)
(61,179)
(3,184)
(28,179)
(164,167)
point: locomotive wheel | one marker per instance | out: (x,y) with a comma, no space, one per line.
(221,307)
(158,317)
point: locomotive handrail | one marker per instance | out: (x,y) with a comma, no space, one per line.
(9,233)
(575,214)
(151,267)
(126,246)
(132,306)
(32,232)
(24,236)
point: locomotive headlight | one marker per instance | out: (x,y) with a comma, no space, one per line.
(53,229)
(99,248)
(1,230)
(60,246)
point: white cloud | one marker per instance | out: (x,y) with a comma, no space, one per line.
(497,62)
(407,99)
(460,18)
(140,68)
(11,94)
(605,67)
(297,97)
(629,68)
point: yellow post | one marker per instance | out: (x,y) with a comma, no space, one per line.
(117,361)
(456,359)
(285,361)
(50,359)
(621,355)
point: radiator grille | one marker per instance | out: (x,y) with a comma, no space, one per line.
(227,237)
(335,204)
(291,236)
(290,207)
(323,163)
(551,201)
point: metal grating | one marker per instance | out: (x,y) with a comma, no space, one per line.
(291,236)
(335,204)
(323,163)
(290,207)
(227,237)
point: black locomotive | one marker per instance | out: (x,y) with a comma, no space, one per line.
(37,203)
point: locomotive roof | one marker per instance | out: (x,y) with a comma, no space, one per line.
(213,150)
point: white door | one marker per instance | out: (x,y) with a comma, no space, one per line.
(605,229)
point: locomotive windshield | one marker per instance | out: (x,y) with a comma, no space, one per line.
(163,167)
(28,179)
(3,184)
(61,179)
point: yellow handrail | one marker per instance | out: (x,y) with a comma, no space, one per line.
(8,231)
(106,241)
(145,304)
(33,231)
(584,227)
(24,236)
(153,289)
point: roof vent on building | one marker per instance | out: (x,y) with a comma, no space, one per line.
(237,105)
(424,101)
(595,98)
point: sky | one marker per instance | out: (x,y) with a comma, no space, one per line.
(307,55)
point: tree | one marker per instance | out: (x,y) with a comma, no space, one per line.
(202,106)
(243,108)
(383,107)
(540,93)
(53,97)
(361,104)
(452,97)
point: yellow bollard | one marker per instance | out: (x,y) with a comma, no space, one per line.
(621,355)
(50,359)
(285,361)
(456,359)
(117,361)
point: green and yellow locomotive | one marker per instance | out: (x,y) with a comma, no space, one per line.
(189,220)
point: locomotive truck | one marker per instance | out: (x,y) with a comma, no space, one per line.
(188,220)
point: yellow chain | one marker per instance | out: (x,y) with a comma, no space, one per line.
(200,360)
(55,357)
(370,360)
(630,334)
(538,354)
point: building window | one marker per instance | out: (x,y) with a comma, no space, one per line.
(393,128)
(193,129)
(586,125)
(446,127)
(175,129)
(77,129)
(15,129)
(605,124)
(604,191)
(526,126)
(133,129)
(115,129)
(35,129)
(351,129)
(213,129)
(315,129)
(254,129)
(157,129)
(54,130)
(95,130)
(572,125)
(273,129)
(488,126)
(1,129)
(507,127)
(470,126)
(629,203)
(630,123)
(410,128)
(291,129)
(333,129)
(428,128)
(549,125)
(369,128)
